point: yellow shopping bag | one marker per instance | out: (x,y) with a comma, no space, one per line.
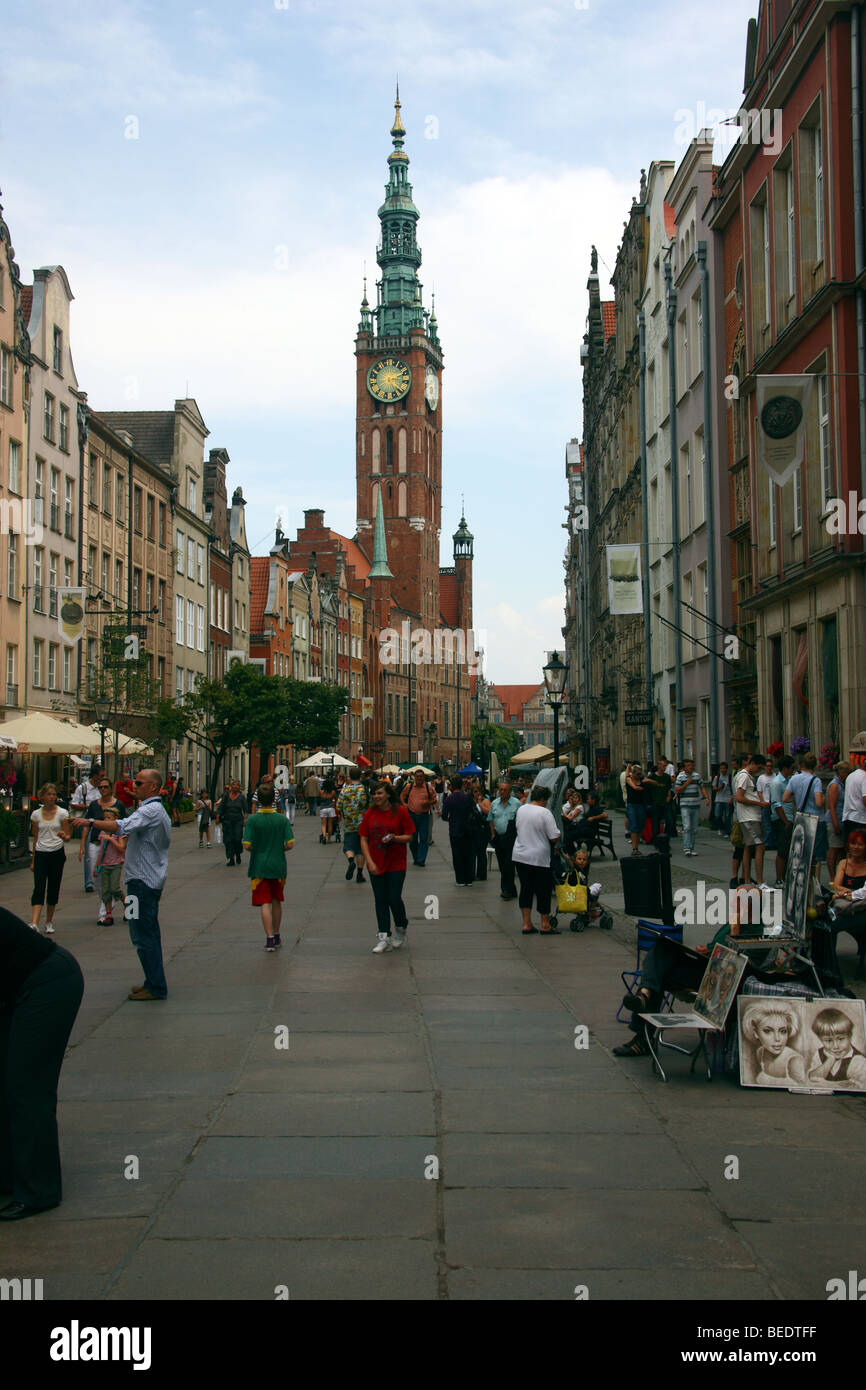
(571,895)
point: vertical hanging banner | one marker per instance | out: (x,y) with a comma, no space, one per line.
(70,614)
(624,589)
(783,404)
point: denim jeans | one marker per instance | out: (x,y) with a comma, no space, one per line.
(144,933)
(418,843)
(690,816)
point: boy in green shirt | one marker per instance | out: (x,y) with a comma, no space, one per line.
(267,836)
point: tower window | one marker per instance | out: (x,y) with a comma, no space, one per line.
(389,451)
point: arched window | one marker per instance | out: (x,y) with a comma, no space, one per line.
(374,495)
(363,445)
(401,451)
(377,449)
(401,499)
(389,450)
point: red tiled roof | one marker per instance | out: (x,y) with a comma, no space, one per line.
(26,301)
(514,697)
(260,575)
(354,554)
(608,318)
(670,220)
(449,599)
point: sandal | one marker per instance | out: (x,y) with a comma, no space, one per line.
(530,931)
(551,931)
(636,1048)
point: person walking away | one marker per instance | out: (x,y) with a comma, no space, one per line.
(231,815)
(82,796)
(688,789)
(722,800)
(658,783)
(806,792)
(385,831)
(147,836)
(457,807)
(671,806)
(108,868)
(783,817)
(501,818)
(291,801)
(327,813)
(353,802)
(50,829)
(833,816)
(41,987)
(90,843)
(311,792)
(480,833)
(635,804)
(204,810)
(854,805)
(747,809)
(268,835)
(537,833)
(419,798)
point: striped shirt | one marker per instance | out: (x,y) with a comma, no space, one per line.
(690,788)
(149,831)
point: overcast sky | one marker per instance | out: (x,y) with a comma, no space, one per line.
(220,253)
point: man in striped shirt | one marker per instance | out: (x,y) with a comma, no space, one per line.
(688,790)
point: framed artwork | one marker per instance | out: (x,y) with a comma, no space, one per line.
(807,1044)
(795,894)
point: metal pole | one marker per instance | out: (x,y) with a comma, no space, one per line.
(675,502)
(556,735)
(710,505)
(647,630)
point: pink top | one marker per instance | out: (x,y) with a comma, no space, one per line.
(111,855)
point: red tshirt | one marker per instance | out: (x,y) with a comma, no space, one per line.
(388,858)
(123,793)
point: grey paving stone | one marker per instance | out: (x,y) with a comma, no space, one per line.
(306,1114)
(104,1085)
(574,1162)
(89,1194)
(803,1255)
(102,1116)
(510,1110)
(299,1208)
(127,1024)
(48,1244)
(337,1047)
(99,1151)
(381,1158)
(626,1285)
(565,1079)
(506,1228)
(812,1178)
(196,1270)
(297,1077)
(156,1054)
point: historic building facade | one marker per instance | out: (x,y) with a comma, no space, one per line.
(14,426)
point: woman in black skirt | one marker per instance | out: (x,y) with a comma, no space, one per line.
(40,991)
(49,826)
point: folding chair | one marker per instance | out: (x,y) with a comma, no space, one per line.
(645,941)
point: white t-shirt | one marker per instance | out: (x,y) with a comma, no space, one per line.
(855,790)
(763,785)
(536,828)
(47,838)
(743,811)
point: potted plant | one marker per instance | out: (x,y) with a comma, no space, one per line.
(828,756)
(801,744)
(775,748)
(10,828)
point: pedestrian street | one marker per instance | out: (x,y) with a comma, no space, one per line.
(321,1122)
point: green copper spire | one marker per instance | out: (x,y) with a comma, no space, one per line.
(399,308)
(366,324)
(463,538)
(379,568)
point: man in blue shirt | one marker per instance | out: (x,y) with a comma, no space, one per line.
(500,818)
(147,831)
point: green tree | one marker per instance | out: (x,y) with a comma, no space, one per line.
(498,739)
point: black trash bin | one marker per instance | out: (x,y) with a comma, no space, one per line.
(646,886)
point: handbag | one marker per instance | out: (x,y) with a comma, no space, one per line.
(571,895)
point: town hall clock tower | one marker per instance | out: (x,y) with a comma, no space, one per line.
(399,403)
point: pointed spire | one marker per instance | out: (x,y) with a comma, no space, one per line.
(398,130)
(379,568)
(463,537)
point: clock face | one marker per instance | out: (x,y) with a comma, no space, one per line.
(431,388)
(389,379)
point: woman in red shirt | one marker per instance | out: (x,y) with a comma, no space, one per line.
(385,832)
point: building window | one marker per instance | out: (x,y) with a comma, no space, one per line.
(106,489)
(58,350)
(14,466)
(178,676)
(790,212)
(5,376)
(52,665)
(824,441)
(106,563)
(151,517)
(37,661)
(818,148)
(190,558)
(48,417)
(199,627)
(52,585)
(160,675)
(67,669)
(200,564)
(178,536)
(136,590)
(178,619)
(118,581)
(797,483)
(91,563)
(190,624)
(12,565)
(162,521)
(136,509)
(119,500)
(67,574)
(38,579)
(148,592)
(64,428)
(193,494)
(161,600)
(68,508)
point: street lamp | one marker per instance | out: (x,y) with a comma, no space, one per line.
(482,719)
(555,676)
(102,710)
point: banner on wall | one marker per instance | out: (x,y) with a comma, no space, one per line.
(624,589)
(783,405)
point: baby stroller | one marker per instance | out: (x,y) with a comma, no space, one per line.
(567,876)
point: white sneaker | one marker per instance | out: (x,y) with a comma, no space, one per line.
(383,943)
(49,927)
(398,940)
(102,914)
